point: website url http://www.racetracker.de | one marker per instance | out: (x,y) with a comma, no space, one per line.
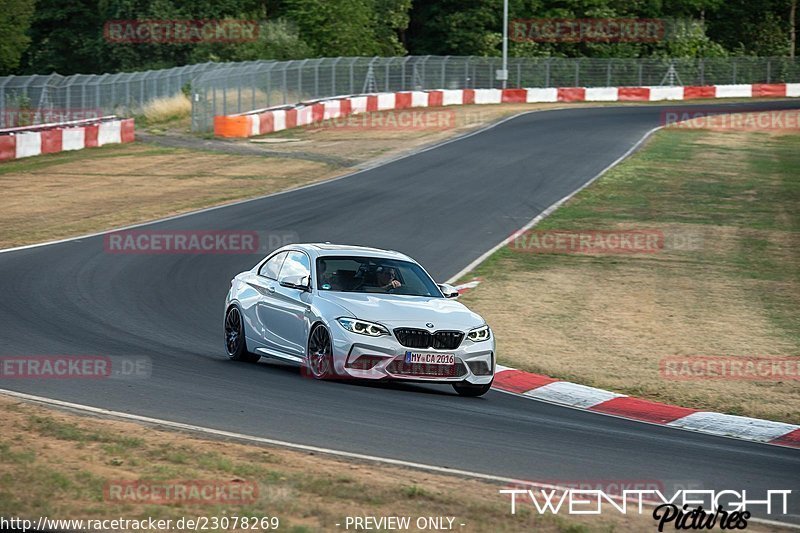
(198,523)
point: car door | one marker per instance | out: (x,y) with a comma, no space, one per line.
(289,318)
(266,283)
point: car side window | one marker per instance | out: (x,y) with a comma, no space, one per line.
(271,268)
(296,264)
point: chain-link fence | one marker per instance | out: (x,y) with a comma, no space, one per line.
(239,88)
(229,88)
(27,100)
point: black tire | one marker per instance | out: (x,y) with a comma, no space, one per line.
(319,361)
(471,390)
(235,344)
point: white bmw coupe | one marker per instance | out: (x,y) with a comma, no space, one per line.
(361,313)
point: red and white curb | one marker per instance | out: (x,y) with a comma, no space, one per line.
(468,286)
(602,401)
(574,395)
(16,143)
(270,120)
(578,396)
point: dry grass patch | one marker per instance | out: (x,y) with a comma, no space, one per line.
(71,194)
(362,144)
(612,328)
(731,290)
(57,465)
(167,109)
(344,137)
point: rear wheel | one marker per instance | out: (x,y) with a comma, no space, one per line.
(235,343)
(469,389)
(320,354)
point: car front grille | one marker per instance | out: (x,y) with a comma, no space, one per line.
(401,368)
(420,338)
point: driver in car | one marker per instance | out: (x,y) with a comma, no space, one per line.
(387,279)
(328,280)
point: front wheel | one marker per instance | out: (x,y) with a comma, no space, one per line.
(234,338)
(471,390)
(320,354)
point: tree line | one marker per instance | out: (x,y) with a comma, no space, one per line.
(44,36)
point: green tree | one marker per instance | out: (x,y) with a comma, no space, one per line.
(391,21)
(335,27)
(64,38)
(140,56)
(460,27)
(752,27)
(277,39)
(457,27)
(15,19)
(688,38)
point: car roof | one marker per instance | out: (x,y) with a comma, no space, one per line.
(328,249)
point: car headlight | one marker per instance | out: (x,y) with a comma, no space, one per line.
(482,333)
(363,327)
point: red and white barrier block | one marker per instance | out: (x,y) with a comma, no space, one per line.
(16,143)
(602,401)
(265,121)
(468,286)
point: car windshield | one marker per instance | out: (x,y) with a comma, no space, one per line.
(374,275)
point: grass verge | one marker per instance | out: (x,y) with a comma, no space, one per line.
(61,465)
(167,112)
(72,193)
(726,282)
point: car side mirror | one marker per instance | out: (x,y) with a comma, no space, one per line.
(448,290)
(296,282)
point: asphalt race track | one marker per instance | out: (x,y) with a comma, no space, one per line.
(445,207)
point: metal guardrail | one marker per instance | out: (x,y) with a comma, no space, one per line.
(49,125)
(229,88)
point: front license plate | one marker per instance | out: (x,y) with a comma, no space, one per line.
(430,358)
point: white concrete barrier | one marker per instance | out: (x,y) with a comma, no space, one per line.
(73,139)
(109,133)
(419,99)
(452,97)
(358,104)
(602,94)
(542,95)
(734,91)
(665,93)
(29,144)
(279,119)
(385,101)
(490,96)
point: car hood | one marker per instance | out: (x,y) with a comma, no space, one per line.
(411,311)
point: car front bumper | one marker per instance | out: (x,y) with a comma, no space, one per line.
(383,358)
